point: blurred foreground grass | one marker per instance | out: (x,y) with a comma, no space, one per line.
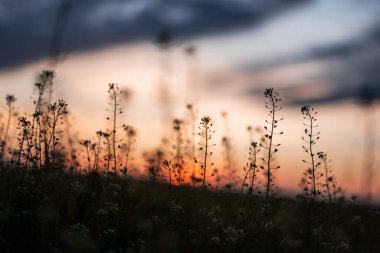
(55,211)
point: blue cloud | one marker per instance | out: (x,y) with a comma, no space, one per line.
(40,28)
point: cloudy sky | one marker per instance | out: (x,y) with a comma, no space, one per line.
(319,52)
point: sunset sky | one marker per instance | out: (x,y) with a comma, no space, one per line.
(318,52)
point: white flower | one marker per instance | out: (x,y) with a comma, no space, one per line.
(215,239)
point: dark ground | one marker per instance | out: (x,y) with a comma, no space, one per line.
(53,211)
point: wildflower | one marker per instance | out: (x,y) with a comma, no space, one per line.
(206,134)
(273,107)
(215,239)
(10,99)
(311,174)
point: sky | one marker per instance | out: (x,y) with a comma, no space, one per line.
(319,52)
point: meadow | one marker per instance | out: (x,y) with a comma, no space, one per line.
(59,193)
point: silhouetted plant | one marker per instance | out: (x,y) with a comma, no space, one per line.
(56,113)
(228,160)
(36,139)
(99,135)
(330,182)
(170,168)
(251,168)
(328,178)
(87,146)
(24,130)
(45,80)
(116,110)
(254,150)
(46,133)
(191,141)
(106,136)
(273,106)
(311,174)
(53,210)
(39,122)
(72,162)
(205,133)
(178,145)
(250,133)
(336,189)
(10,99)
(130,135)
(154,164)
(229,165)
(40,132)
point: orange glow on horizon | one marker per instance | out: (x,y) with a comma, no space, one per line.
(82,81)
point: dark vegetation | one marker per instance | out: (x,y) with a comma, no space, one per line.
(52,211)
(59,194)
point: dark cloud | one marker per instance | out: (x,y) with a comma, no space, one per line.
(362,94)
(30,30)
(351,71)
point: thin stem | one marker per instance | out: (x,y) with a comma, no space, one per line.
(327,182)
(114,129)
(270,153)
(97,153)
(20,150)
(128,151)
(205,158)
(4,142)
(314,193)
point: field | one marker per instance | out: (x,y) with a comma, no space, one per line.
(179,126)
(54,211)
(59,193)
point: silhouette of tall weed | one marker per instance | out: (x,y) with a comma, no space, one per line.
(205,133)
(273,105)
(311,175)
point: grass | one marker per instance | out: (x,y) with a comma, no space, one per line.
(50,202)
(54,211)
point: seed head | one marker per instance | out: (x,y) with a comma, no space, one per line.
(305,109)
(268,92)
(205,120)
(10,98)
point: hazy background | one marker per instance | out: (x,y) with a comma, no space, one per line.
(321,52)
